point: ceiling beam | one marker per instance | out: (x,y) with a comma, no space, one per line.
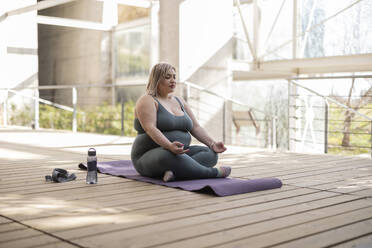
(72,23)
(39,6)
(288,68)
(134,3)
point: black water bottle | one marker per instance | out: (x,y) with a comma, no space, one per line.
(92,167)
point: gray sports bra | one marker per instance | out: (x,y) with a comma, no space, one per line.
(166,121)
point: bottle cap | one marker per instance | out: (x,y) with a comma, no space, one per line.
(91,152)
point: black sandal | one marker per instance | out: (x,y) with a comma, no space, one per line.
(60,176)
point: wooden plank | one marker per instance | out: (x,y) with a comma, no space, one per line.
(321,178)
(159,234)
(7,227)
(333,236)
(291,231)
(34,173)
(4,220)
(18,234)
(47,207)
(58,245)
(94,194)
(303,171)
(249,205)
(362,242)
(39,182)
(277,168)
(102,185)
(202,215)
(198,200)
(240,202)
(30,242)
(176,203)
(50,186)
(289,174)
(356,185)
(365,192)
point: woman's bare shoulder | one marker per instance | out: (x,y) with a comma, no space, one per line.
(145,100)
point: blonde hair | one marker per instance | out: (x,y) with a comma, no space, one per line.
(158,72)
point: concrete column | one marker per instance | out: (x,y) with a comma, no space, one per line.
(199,45)
(154,35)
(169,32)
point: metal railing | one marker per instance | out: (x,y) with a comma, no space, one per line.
(328,127)
(268,134)
(190,92)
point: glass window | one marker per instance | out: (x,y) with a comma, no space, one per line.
(132,51)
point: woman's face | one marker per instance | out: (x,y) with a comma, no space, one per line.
(168,84)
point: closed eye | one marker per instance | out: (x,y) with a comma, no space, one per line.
(168,76)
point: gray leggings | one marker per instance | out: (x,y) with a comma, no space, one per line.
(196,163)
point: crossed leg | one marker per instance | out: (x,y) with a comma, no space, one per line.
(196,164)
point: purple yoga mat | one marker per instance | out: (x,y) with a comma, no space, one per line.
(220,186)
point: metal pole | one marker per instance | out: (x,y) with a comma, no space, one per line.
(122,116)
(288,117)
(326,127)
(224,122)
(113,65)
(371,139)
(36,111)
(74,100)
(274,133)
(294,30)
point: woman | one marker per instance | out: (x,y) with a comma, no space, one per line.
(164,123)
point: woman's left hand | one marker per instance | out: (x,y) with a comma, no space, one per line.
(218,147)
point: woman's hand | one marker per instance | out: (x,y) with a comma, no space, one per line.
(218,147)
(177,148)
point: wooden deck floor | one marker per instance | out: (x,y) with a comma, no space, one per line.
(325,201)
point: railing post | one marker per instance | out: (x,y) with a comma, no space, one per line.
(224,121)
(326,127)
(370,134)
(74,101)
(122,116)
(274,133)
(36,111)
(5,107)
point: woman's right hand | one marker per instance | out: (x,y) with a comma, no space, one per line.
(177,148)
